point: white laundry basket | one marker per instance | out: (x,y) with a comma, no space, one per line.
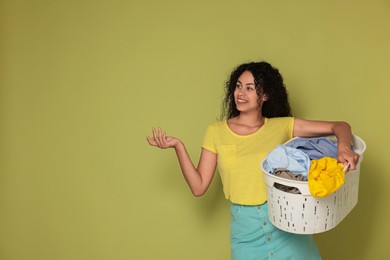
(305,214)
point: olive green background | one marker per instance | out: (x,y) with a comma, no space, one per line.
(83,82)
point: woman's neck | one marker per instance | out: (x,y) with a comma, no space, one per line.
(245,124)
(251,120)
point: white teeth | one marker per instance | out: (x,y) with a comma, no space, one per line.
(242,101)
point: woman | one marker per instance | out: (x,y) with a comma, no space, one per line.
(256,118)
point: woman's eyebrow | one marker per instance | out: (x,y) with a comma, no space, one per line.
(253,84)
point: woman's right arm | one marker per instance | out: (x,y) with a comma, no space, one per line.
(198,179)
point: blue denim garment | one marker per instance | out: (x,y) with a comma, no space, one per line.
(315,148)
(289,158)
(253,237)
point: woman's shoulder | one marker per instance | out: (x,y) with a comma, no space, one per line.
(280,122)
(281,119)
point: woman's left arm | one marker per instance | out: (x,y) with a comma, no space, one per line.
(342,130)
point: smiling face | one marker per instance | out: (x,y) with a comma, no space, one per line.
(245,94)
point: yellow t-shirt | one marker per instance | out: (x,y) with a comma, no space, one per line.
(239,157)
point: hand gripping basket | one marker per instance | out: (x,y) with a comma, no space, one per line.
(305,214)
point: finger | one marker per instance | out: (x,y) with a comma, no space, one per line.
(151,141)
(164,138)
(156,138)
(160,139)
(354,161)
(154,132)
(352,167)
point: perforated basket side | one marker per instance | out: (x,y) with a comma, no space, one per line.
(305,214)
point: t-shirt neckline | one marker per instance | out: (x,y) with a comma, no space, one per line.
(249,135)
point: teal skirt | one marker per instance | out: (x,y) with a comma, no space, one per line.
(253,237)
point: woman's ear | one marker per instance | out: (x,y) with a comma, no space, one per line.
(265,97)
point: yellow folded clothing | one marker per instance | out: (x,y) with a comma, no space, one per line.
(325,176)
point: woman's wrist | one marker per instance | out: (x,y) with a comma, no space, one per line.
(179,144)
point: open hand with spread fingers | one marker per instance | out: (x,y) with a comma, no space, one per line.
(161,140)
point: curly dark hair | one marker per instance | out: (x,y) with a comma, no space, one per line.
(268,81)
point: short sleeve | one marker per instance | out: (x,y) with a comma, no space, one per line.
(208,140)
(291,127)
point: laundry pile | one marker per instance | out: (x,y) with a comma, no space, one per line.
(307,159)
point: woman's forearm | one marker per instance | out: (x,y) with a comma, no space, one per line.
(198,179)
(343,132)
(190,173)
